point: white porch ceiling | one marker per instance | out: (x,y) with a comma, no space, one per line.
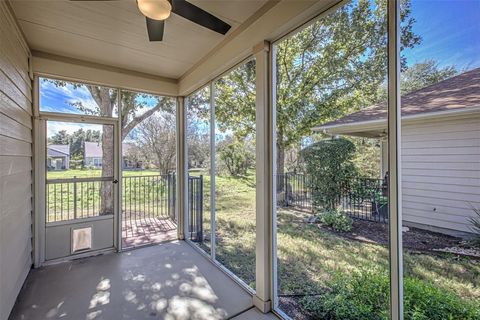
(114,32)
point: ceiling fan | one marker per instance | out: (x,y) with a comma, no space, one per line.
(157,11)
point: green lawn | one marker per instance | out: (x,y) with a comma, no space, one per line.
(65,174)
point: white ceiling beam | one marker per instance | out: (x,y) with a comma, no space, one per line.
(54,66)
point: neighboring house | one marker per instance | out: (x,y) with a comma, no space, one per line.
(58,156)
(440,150)
(93,156)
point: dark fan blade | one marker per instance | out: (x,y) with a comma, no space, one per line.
(199,16)
(155,29)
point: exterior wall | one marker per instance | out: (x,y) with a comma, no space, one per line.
(51,163)
(15,161)
(93,162)
(441,172)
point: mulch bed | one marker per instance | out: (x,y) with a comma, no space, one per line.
(413,239)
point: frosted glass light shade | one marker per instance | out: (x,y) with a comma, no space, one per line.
(155,9)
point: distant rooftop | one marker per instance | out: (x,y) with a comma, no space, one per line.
(58,149)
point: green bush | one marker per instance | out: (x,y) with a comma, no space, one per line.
(329,164)
(365,296)
(475,225)
(237,158)
(336,220)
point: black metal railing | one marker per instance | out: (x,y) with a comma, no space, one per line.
(195,208)
(143,198)
(361,198)
(150,196)
(294,191)
(77,198)
(366,199)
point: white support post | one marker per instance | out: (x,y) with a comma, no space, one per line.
(213,225)
(394,161)
(39,151)
(118,175)
(182,172)
(263,270)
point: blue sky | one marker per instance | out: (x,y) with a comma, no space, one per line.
(450,31)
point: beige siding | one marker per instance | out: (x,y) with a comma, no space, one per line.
(441,172)
(15,162)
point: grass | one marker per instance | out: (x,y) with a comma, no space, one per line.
(307,255)
(87,173)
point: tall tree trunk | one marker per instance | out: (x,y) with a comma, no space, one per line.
(280,161)
(106,190)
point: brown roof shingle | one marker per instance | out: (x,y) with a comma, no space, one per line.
(458,92)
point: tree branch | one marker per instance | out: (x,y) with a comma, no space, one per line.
(136,120)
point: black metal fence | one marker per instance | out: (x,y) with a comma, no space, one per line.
(77,198)
(143,198)
(147,197)
(294,190)
(195,208)
(361,198)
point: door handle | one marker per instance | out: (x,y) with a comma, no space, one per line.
(115,181)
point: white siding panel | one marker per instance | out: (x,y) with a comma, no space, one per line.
(465,181)
(438,151)
(14,147)
(463,189)
(441,172)
(450,127)
(442,136)
(14,129)
(15,162)
(445,158)
(439,203)
(12,110)
(13,165)
(466,142)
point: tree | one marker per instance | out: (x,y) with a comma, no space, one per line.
(156,137)
(333,67)
(135,107)
(330,167)
(198,129)
(60,137)
(236,156)
(424,74)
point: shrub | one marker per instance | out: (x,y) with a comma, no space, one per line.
(237,158)
(329,164)
(336,220)
(365,296)
(475,222)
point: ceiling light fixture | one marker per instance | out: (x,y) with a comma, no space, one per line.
(155,9)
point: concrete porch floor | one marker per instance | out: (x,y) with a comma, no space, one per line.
(167,281)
